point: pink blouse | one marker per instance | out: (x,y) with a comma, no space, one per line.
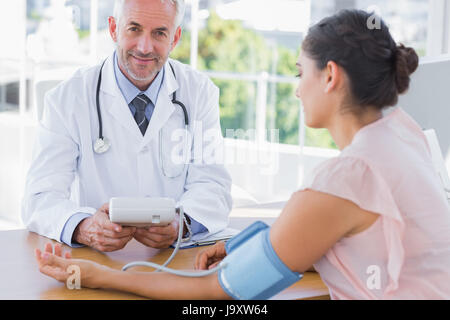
(405,254)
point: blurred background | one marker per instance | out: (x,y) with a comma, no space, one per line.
(248,48)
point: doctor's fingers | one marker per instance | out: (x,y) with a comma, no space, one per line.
(170,230)
(154,240)
(153,244)
(102,220)
(125,232)
(157,236)
(105,208)
(107,244)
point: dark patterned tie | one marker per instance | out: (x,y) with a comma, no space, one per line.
(140,103)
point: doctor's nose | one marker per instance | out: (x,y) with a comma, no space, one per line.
(144,45)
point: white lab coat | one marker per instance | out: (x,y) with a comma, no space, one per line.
(67,177)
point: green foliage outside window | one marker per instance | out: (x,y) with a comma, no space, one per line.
(227,46)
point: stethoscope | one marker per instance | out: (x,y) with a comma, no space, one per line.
(103,144)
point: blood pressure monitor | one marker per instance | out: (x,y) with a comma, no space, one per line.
(142,212)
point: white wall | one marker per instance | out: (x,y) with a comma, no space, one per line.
(16,142)
(428,99)
(278,170)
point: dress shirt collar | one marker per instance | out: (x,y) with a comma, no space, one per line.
(130,91)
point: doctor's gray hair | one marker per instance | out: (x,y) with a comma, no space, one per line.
(179,4)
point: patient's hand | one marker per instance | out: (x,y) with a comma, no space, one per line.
(210,257)
(54,265)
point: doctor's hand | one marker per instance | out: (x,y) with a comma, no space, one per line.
(100,233)
(210,257)
(158,237)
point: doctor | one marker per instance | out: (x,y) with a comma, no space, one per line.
(113,131)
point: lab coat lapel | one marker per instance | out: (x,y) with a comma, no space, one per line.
(113,101)
(164,106)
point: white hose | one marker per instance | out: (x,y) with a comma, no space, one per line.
(164,268)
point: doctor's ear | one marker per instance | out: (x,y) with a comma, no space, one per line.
(112,28)
(176,38)
(333,74)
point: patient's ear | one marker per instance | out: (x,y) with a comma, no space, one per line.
(333,76)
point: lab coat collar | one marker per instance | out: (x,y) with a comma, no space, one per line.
(164,106)
(115,103)
(110,86)
(130,91)
(169,77)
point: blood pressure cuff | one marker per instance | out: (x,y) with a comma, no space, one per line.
(252,270)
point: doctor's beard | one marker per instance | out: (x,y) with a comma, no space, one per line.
(159,63)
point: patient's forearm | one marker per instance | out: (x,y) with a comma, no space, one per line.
(160,285)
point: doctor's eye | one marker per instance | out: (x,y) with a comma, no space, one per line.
(160,34)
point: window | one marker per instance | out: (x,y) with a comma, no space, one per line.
(258,42)
(11,56)
(247,47)
(250,52)
(407,19)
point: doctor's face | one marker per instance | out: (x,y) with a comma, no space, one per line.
(145,35)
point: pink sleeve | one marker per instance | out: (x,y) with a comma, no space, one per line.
(355,180)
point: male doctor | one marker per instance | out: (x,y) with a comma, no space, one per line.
(69,184)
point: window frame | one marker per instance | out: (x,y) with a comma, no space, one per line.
(438,36)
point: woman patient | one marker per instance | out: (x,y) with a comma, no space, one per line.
(376,209)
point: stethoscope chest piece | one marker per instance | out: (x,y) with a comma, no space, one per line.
(102,145)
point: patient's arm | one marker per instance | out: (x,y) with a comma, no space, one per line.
(310,224)
(155,285)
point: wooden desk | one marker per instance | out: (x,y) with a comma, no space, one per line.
(21,279)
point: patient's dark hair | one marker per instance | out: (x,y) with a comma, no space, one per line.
(377,67)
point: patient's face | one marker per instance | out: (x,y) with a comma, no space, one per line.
(312,92)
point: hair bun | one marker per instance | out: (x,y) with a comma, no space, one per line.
(407,62)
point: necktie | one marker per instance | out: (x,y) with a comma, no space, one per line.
(140,102)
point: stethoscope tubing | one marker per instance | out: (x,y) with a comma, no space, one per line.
(97,101)
(106,143)
(175,101)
